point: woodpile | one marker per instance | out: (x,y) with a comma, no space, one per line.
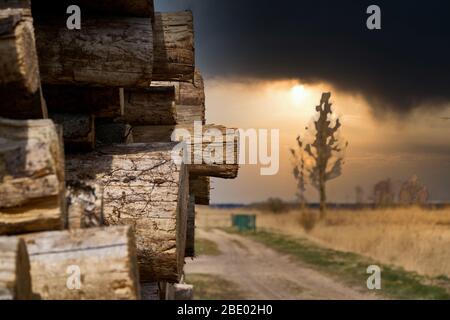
(96,201)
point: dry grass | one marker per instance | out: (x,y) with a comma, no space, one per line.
(415,239)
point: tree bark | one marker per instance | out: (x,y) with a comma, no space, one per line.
(110,52)
(190,231)
(200,188)
(102,259)
(100,102)
(78,131)
(32,196)
(145,188)
(84,204)
(174,47)
(15,280)
(19,70)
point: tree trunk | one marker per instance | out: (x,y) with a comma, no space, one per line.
(206,158)
(190,232)
(78,131)
(323,200)
(19,70)
(84,205)
(111,52)
(200,187)
(15,281)
(91,264)
(100,102)
(145,188)
(174,47)
(32,196)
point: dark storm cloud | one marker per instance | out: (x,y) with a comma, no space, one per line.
(402,66)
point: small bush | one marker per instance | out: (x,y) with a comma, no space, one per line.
(308,220)
(275,205)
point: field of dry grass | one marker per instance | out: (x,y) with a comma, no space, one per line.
(415,239)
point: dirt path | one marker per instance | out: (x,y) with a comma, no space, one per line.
(265,274)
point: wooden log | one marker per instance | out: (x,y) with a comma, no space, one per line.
(100,102)
(84,204)
(126,8)
(174,47)
(20,91)
(143,187)
(111,52)
(206,156)
(91,264)
(78,131)
(32,196)
(180,292)
(109,133)
(190,230)
(151,106)
(15,280)
(200,187)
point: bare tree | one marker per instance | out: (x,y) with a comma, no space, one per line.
(383,193)
(299,172)
(325,151)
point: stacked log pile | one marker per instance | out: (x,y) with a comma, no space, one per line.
(95,200)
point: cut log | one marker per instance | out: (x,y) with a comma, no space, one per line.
(19,70)
(205,153)
(109,133)
(151,106)
(179,292)
(111,52)
(126,8)
(32,196)
(200,187)
(91,264)
(15,281)
(190,230)
(100,102)
(84,204)
(174,47)
(78,131)
(143,187)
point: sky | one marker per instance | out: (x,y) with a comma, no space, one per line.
(266,64)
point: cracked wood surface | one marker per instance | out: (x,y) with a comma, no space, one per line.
(144,188)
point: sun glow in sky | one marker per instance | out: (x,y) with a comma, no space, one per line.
(298,93)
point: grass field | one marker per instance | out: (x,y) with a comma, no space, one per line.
(212,287)
(413,239)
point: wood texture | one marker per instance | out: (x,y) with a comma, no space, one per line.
(111,52)
(145,188)
(15,280)
(151,106)
(150,291)
(19,70)
(200,151)
(104,257)
(200,187)
(78,131)
(84,204)
(126,8)
(32,196)
(190,230)
(100,102)
(174,47)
